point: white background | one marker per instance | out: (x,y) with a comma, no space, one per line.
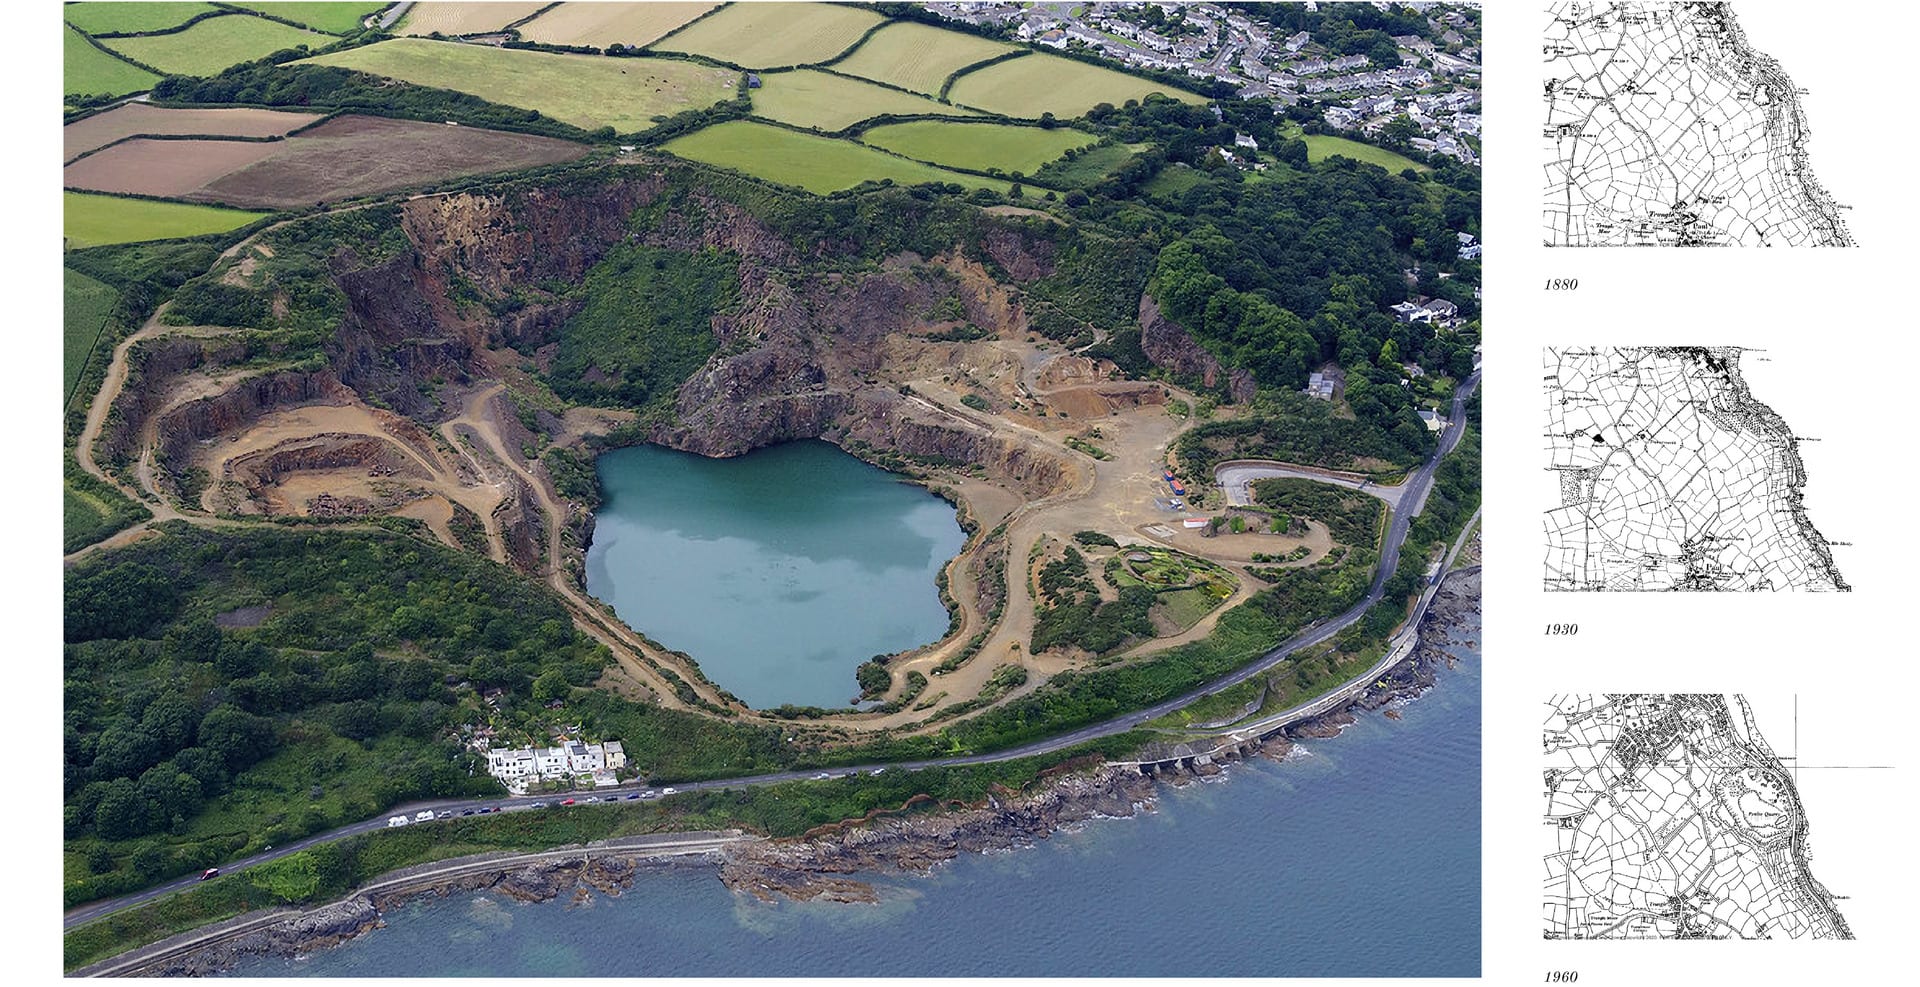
(1833,367)
(1837,326)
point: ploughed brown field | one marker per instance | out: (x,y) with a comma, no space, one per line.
(164,167)
(345,157)
(131,119)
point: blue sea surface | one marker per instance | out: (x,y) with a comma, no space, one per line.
(1359,856)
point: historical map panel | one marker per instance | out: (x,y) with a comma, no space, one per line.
(1672,476)
(1665,127)
(1669,817)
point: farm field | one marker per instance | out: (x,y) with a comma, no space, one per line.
(86,305)
(917,56)
(132,119)
(1034,84)
(456,19)
(773,35)
(598,25)
(809,98)
(351,156)
(345,157)
(977,146)
(87,70)
(93,220)
(588,91)
(1091,165)
(1320,147)
(215,43)
(122,18)
(167,168)
(817,164)
(333,18)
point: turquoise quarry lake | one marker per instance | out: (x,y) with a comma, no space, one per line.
(1360,856)
(779,571)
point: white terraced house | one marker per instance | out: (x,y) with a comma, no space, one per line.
(517,767)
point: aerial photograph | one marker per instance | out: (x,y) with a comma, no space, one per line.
(771,489)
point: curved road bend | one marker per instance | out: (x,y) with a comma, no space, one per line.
(1416,484)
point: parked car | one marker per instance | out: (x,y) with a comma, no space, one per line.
(538,805)
(649,794)
(469,812)
(591,799)
(444,814)
(393,821)
(566,802)
(669,791)
(210,873)
(632,795)
(424,815)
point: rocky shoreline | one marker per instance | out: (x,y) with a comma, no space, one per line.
(816,866)
(819,866)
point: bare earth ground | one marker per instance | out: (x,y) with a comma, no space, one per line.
(131,119)
(170,168)
(345,157)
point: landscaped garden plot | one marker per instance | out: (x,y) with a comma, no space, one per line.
(86,304)
(131,119)
(917,56)
(817,164)
(459,19)
(588,91)
(333,18)
(93,220)
(215,43)
(358,155)
(88,71)
(345,157)
(774,35)
(600,25)
(1034,84)
(976,146)
(809,98)
(1320,147)
(127,18)
(169,168)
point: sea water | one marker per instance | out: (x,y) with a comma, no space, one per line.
(1359,856)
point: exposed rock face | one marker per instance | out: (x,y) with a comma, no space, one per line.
(1169,345)
(243,402)
(807,868)
(317,929)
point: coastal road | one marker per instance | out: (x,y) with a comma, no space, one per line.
(1414,491)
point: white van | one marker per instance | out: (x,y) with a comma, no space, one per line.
(393,821)
(424,815)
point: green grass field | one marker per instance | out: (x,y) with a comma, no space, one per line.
(1034,84)
(1320,147)
(1092,166)
(807,98)
(978,146)
(917,56)
(333,18)
(215,43)
(93,220)
(1173,181)
(773,35)
(86,304)
(92,72)
(121,18)
(589,91)
(817,164)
